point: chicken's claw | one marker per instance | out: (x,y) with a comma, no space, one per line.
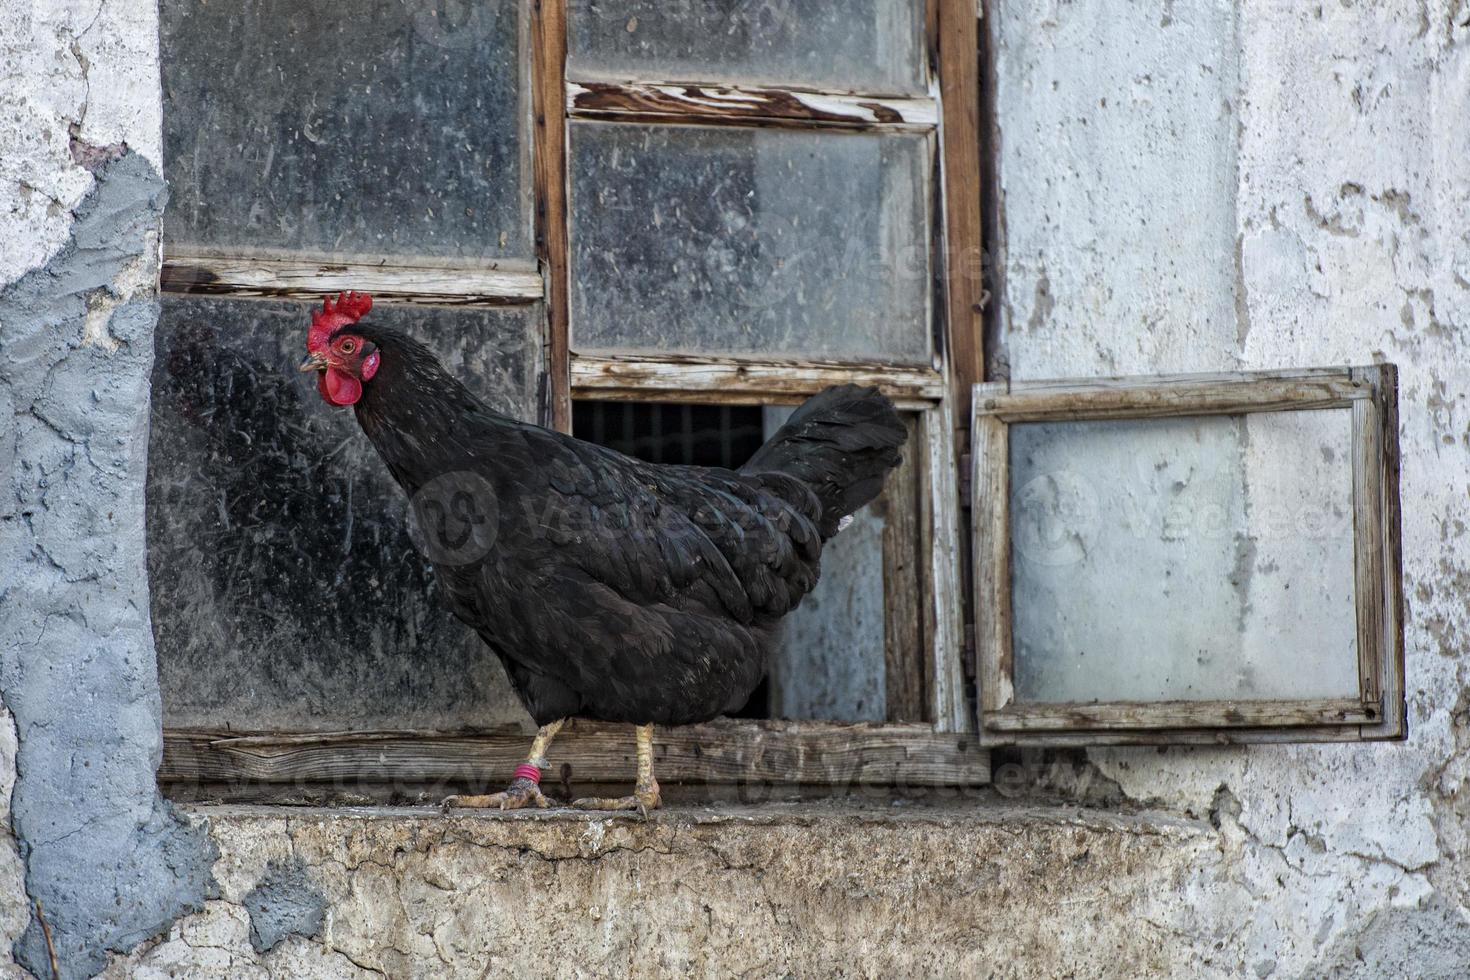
(521,793)
(643,800)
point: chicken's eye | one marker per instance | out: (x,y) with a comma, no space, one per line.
(348,346)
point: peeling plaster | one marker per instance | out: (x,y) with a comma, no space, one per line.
(1346,204)
(111,862)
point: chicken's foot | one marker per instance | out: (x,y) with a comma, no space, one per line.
(523,791)
(645,792)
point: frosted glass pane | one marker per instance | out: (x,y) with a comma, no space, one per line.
(870,46)
(286,593)
(694,239)
(1183,559)
(380,127)
(829,661)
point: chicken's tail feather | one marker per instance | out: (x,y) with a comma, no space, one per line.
(841,443)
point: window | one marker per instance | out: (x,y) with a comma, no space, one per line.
(1210,558)
(596,215)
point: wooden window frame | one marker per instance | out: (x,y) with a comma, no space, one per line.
(729,751)
(1370,394)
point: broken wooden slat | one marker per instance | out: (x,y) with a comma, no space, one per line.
(745,105)
(725,751)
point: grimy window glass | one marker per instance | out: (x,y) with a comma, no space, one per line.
(377,127)
(729,240)
(871,46)
(286,591)
(1179,559)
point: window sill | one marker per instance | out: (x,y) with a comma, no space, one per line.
(979,810)
(755,759)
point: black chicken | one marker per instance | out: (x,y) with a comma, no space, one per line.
(610,588)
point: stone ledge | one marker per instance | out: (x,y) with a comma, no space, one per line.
(806,813)
(824,888)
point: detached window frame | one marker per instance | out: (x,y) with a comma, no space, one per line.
(1370,394)
(931,745)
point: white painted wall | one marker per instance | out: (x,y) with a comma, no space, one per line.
(1195,185)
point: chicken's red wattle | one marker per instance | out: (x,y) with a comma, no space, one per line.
(339,387)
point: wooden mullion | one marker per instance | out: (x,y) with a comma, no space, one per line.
(906,654)
(990,517)
(725,751)
(722,104)
(950,696)
(549,174)
(955,53)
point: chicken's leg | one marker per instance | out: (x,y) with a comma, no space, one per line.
(645,792)
(523,790)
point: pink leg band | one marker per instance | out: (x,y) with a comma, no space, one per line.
(527,771)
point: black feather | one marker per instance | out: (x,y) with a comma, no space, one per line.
(617,589)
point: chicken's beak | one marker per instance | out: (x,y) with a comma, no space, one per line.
(315,361)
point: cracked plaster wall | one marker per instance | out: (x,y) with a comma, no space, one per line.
(90,845)
(1189,185)
(1197,185)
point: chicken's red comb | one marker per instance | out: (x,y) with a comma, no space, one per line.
(349,308)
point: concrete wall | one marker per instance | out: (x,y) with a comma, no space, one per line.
(1195,185)
(1188,185)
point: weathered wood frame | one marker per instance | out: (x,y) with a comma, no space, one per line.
(1370,394)
(937,753)
(753,753)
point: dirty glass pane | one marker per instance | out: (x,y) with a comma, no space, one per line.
(870,46)
(829,662)
(380,127)
(286,593)
(1184,559)
(708,240)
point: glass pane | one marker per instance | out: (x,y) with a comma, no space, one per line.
(387,127)
(286,593)
(871,46)
(1179,559)
(692,239)
(829,662)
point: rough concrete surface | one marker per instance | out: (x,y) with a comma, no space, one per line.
(779,890)
(107,860)
(284,903)
(111,862)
